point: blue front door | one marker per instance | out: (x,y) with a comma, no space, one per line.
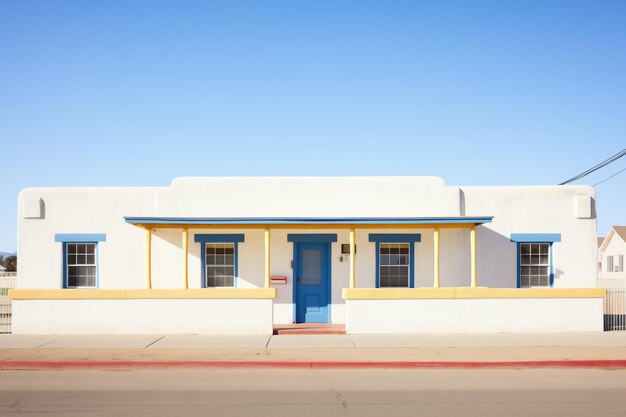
(312,268)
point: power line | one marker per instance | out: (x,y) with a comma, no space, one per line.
(597,167)
(606,179)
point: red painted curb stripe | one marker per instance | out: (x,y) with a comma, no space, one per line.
(48,365)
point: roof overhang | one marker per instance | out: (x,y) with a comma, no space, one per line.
(307,222)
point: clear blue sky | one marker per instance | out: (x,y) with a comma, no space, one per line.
(479,93)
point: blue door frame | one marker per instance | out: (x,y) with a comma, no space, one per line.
(312,282)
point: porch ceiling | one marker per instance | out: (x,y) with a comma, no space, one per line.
(309,222)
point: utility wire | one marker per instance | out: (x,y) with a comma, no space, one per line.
(597,167)
(606,179)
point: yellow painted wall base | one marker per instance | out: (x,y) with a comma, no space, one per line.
(468,293)
(204,293)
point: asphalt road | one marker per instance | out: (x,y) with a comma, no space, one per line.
(320,393)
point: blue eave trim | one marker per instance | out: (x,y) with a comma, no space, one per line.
(395,238)
(309,220)
(535,237)
(222,238)
(312,238)
(80,237)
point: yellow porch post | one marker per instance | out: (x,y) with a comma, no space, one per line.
(473,255)
(149,256)
(186,255)
(352,260)
(436,278)
(267,258)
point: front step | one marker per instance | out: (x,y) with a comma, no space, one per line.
(309,328)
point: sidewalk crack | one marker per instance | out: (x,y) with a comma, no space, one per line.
(44,344)
(150,344)
(344,403)
(17,404)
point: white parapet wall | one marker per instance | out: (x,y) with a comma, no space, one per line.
(462,314)
(142,312)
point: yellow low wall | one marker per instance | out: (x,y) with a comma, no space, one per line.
(468,293)
(97,294)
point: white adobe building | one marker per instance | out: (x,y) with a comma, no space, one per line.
(239,255)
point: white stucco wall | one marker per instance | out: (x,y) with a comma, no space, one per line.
(474,316)
(153,316)
(539,209)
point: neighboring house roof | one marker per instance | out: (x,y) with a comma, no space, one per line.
(2,268)
(621,231)
(615,230)
(600,240)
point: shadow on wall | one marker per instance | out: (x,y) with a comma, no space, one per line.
(461,203)
(497,259)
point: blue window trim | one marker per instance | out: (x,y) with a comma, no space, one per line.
(535,237)
(203,239)
(396,238)
(212,238)
(519,264)
(312,237)
(67,238)
(80,237)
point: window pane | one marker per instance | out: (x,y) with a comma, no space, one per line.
(394,259)
(220,261)
(91,259)
(311,268)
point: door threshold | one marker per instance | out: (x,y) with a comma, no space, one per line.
(309,328)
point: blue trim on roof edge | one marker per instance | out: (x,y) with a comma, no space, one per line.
(311,220)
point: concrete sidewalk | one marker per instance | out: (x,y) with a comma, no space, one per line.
(606,349)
